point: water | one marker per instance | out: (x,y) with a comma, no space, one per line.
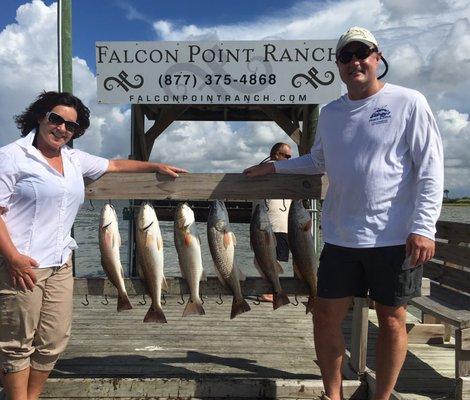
(87,257)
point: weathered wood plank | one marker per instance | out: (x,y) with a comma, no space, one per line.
(462,390)
(454,253)
(359,337)
(462,356)
(290,127)
(204,187)
(454,231)
(465,339)
(448,313)
(425,333)
(446,275)
(176,286)
(241,388)
(458,299)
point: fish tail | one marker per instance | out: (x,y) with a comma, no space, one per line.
(239,307)
(155,315)
(309,305)
(123,303)
(194,307)
(280,299)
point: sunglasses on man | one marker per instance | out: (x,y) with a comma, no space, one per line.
(56,119)
(361,53)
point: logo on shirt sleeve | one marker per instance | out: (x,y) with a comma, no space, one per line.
(381,115)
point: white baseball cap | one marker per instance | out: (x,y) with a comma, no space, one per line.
(356,34)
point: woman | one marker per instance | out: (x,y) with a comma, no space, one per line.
(41,190)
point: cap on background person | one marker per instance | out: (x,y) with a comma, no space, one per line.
(356,34)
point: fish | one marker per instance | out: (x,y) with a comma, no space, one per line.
(222,244)
(188,247)
(302,246)
(150,258)
(109,242)
(263,244)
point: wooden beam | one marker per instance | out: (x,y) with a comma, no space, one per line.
(360,325)
(462,356)
(466,339)
(284,122)
(138,133)
(200,387)
(252,286)
(454,253)
(203,187)
(425,333)
(166,117)
(455,231)
(309,127)
(462,390)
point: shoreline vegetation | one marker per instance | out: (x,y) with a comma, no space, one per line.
(460,201)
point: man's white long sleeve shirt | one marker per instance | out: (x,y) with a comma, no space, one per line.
(384,160)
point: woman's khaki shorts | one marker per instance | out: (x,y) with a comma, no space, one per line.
(35,325)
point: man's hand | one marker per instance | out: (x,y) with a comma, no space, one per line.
(420,248)
(169,170)
(20,268)
(260,170)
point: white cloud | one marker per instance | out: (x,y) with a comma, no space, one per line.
(426,43)
(452,121)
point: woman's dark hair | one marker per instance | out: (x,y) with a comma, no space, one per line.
(45,102)
(276,148)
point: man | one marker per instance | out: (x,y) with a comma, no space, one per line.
(381,148)
(278,211)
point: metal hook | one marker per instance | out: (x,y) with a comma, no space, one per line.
(296,301)
(91,207)
(258,301)
(221,301)
(106,301)
(283,205)
(266,204)
(182,299)
(143,302)
(86,302)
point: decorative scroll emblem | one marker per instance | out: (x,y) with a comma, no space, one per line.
(312,78)
(122,81)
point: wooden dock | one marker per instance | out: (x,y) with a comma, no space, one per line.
(259,354)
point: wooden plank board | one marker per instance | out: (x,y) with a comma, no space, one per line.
(465,339)
(240,388)
(425,333)
(252,286)
(445,312)
(446,275)
(454,253)
(462,356)
(204,187)
(462,391)
(454,231)
(359,337)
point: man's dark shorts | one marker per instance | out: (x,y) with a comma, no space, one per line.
(282,247)
(346,271)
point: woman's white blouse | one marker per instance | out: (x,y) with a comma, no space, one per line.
(38,204)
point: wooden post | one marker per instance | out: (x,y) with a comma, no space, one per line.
(360,327)
(462,362)
(309,127)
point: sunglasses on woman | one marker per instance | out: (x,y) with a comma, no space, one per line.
(56,119)
(361,53)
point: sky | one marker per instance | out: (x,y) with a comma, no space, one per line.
(426,42)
